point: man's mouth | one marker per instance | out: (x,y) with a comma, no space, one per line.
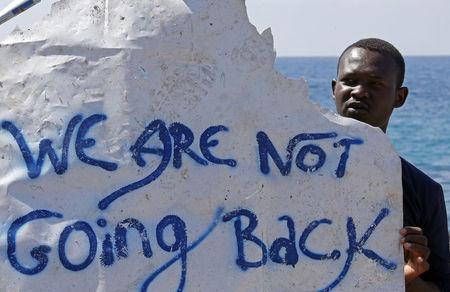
(358,106)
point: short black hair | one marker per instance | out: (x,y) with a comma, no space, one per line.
(383,47)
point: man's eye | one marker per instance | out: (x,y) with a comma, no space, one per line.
(349,82)
(376,83)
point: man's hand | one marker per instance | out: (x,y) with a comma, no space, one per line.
(415,246)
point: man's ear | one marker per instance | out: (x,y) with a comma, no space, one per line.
(401,95)
(333,86)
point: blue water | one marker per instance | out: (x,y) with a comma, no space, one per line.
(420,130)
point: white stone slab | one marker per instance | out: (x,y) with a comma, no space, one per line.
(111,70)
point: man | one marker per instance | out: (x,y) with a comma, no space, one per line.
(368,87)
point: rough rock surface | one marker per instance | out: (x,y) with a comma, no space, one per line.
(144,88)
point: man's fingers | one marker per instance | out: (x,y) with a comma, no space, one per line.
(423,263)
(410,230)
(416,250)
(419,265)
(412,238)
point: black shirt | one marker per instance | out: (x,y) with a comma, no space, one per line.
(424,207)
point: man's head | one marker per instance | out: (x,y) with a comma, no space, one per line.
(369,82)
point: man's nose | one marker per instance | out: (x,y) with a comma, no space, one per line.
(360,91)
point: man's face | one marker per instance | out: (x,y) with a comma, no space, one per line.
(366,87)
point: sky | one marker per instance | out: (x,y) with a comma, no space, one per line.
(326,27)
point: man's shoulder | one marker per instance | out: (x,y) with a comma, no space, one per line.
(424,207)
(413,177)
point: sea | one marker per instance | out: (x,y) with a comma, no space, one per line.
(420,130)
